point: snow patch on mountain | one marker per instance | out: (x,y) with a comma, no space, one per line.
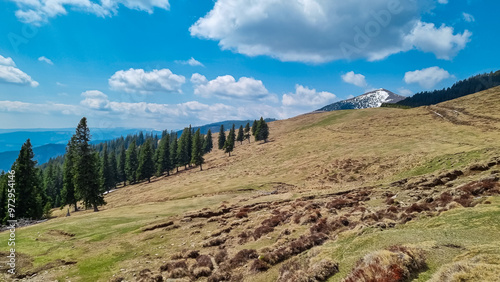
(372,99)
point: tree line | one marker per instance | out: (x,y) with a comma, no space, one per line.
(87,172)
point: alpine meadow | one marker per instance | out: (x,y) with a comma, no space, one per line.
(242,141)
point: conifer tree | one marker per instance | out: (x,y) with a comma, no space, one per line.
(68,194)
(222,137)
(173,153)
(29,203)
(122,159)
(105,171)
(197,152)
(229,145)
(240,135)
(113,168)
(262,132)
(183,151)
(146,167)
(208,142)
(131,163)
(163,162)
(86,169)
(254,127)
(247,132)
(3,197)
(189,145)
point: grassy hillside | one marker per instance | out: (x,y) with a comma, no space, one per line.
(327,190)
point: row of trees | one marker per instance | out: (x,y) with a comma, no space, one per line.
(87,171)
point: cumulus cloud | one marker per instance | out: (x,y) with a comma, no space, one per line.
(95,99)
(356,79)
(313,31)
(47,108)
(228,87)
(428,77)
(140,81)
(440,41)
(192,62)
(405,92)
(306,97)
(468,17)
(9,73)
(37,12)
(46,60)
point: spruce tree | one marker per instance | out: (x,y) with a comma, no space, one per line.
(122,159)
(113,166)
(29,203)
(208,142)
(131,163)
(68,194)
(262,132)
(229,145)
(222,137)
(254,127)
(105,171)
(197,152)
(240,135)
(3,197)
(146,167)
(163,162)
(86,169)
(247,132)
(173,152)
(183,151)
(189,145)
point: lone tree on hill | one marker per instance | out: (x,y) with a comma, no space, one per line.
(132,162)
(208,143)
(262,132)
(240,136)
(247,132)
(229,145)
(222,137)
(197,152)
(86,169)
(146,167)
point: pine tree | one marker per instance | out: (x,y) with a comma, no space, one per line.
(105,171)
(113,169)
(208,142)
(229,145)
(240,135)
(68,194)
(173,153)
(86,169)
(29,203)
(247,132)
(254,127)
(184,151)
(146,167)
(222,137)
(122,159)
(50,182)
(262,132)
(163,162)
(131,163)
(197,152)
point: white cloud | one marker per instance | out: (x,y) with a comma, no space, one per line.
(356,79)
(227,87)
(45,59)
(9,73)
(305,97)
(443,1)
(40,11)
(440,41)
(192,62)
(47,108)
(140,81)
(313,31)
(428,77)
(95,99)
(468,17)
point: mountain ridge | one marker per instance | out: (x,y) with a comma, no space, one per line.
(370,99)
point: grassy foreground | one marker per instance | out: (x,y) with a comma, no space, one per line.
(308,159)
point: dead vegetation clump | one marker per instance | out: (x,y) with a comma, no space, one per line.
(397,263)
(294,271)
(294,247)
(215,242)
(259,265)
(242,257)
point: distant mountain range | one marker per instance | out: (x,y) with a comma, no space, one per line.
(372,99)
(42,155)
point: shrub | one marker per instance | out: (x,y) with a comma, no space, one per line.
(215,242)
(220,256)
(241,214)
(242,257)
(262,230)
(201,272)
(259,265)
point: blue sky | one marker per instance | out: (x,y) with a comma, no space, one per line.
(168,63)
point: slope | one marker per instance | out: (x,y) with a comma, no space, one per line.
(372,99)
(332,165)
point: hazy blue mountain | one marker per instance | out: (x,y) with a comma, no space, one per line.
(215,127)
(42,155)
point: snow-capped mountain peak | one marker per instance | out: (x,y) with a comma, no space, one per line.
(372,99)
